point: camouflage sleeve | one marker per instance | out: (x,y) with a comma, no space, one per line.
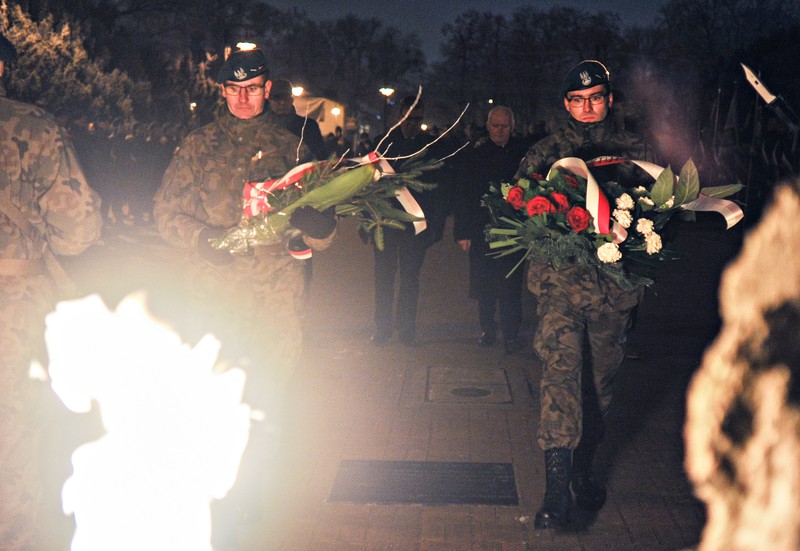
(70,208)
(178,207)
(538,158)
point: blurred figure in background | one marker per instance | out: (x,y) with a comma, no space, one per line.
(281,103)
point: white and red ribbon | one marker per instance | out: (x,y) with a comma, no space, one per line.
(727,208)
(403,195)
(598,206)
(256,194)
(596,203)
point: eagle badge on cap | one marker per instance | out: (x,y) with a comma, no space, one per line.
(240,73)
(586,80)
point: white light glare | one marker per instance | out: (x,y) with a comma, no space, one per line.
(175,428)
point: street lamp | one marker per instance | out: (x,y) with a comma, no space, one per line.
(386,91)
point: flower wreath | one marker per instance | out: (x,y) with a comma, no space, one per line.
(568,217)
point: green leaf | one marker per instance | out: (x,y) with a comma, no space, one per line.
(347,209)
(504,231)
(662,190)
(518,264)
(506,252)
(688,186)
(396,214)
(511,221)
(500,244)
(394,224)
(721,191)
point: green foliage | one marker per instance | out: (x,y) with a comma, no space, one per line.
(538,222)
(688,185)
(354,192)
(662,190)
(55,71)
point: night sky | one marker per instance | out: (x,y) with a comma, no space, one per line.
(426,17)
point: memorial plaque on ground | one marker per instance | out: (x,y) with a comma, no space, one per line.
(425,483)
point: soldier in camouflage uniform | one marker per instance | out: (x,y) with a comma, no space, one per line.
(250,302)
(41,180)
(579,309)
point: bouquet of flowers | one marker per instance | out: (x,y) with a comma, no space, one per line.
(568,217)
(363,191)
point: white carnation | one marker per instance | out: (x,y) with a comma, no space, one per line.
(652,242)
(625,201)
(640,189)
(647,201)
(670,202)
(644,226)
(623,217)
(609,253)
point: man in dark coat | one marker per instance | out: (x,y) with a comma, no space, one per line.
(404,250)
(493,160)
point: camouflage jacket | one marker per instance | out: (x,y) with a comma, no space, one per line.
(40,175)
(587,141)
(202,186)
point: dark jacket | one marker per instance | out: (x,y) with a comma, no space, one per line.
(588,141)
(478,168)
(306,129)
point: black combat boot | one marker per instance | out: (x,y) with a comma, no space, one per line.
(557,497)
(589,493)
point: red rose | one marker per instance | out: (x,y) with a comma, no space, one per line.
(560,201)
(578,218)
(516,197)
(538,177)
(539,205)
(572,181)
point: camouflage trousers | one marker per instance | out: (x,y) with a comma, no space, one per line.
(23,304)
(583,319)
(254,307)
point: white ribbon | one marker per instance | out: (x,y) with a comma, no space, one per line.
(730,210)
(403,195)
(727,208)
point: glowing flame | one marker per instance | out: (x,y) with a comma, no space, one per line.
(175,428)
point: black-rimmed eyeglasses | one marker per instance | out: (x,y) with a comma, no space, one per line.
(577,101)
(251,89)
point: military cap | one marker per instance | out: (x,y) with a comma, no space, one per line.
(243,65)
(8,53)
(281,89)
(586,74)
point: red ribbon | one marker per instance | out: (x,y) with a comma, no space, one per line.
(256,194)
(596,202)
